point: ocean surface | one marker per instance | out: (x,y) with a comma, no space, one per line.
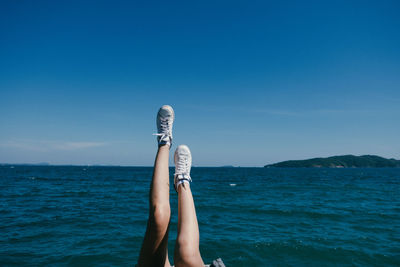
(96,216)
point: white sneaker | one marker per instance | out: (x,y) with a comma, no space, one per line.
(165,119)
(183,164)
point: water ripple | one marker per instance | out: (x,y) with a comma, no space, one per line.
(96,216)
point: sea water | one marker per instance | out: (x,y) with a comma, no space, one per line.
(96,216)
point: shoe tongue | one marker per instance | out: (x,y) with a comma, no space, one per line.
(184,154)
(164,112)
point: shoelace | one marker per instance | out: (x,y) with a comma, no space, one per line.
(165,128)
(182,169)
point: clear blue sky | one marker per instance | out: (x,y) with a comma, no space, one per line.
(251,82)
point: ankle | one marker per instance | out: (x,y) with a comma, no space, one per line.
(163,146)
(184,185)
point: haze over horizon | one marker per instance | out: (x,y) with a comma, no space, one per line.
(251,82)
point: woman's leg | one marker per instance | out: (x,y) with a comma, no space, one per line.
(154,248)
(187,251)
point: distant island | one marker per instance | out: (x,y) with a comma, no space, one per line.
(346,161)
(26,164)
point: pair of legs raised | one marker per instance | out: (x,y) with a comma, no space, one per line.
(154,251)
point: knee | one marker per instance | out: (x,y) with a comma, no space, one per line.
(186,252)
(160,216)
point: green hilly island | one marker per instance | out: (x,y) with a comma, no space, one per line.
(346,161)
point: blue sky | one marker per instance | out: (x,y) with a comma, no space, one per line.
(251,82)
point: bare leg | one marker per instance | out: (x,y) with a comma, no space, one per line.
(154,248)
(187,251)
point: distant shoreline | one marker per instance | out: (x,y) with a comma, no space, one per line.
(336,162)
(99,165)
(345,161)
